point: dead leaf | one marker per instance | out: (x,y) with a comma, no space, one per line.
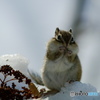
(34,90)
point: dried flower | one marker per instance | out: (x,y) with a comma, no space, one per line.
(10,92)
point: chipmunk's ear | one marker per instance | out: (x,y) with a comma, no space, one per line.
(57,30)
(70,30)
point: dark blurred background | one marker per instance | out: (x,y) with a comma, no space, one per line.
(27,25)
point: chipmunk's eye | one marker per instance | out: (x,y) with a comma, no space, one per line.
(59,37)
(72,41)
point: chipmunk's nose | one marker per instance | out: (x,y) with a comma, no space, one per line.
(67,39)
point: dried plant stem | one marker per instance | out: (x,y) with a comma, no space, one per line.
(0,80)
(10,80)
(4,78)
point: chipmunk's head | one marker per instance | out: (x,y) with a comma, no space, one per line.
(66,39)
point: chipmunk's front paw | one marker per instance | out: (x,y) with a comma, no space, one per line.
(62,49)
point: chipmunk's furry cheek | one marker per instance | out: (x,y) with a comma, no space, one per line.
(54,45)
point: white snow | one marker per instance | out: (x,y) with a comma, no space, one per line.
(64,94)
(16,61)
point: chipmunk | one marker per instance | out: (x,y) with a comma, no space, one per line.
(61,63)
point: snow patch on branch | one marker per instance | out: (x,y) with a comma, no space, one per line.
(17,61)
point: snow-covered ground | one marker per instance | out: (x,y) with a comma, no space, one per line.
(76,91)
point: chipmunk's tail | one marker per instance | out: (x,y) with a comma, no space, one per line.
(36,77)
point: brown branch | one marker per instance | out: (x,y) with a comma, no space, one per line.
(11,80)
(4,77)
(1,80)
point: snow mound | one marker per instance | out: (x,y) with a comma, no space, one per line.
(17,61)
(75,91)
